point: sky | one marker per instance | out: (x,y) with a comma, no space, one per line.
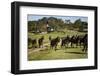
(71,18)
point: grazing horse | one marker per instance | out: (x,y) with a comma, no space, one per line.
(85,43)
(40,41)
(65,41)
(54,43)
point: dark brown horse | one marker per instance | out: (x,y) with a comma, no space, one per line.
(34,43)
(73,41)
(65,41)
(85,43)
(40,41)
(54,42)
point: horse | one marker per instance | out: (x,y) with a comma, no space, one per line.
(54,42)
(34,42)
(65,41)
(40,41)
(81,40)
(85,43)
(77,40)
(29,40)
(72,40)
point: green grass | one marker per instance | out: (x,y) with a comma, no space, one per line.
(54,35)
(65,53)
(60,53)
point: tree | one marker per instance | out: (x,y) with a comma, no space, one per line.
(80,25)
(31,25)
(77,23)
(67,21)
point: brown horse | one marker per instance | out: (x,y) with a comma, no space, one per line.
(34,42)
(65,41)
(54,42)
(85,43)
(40,41)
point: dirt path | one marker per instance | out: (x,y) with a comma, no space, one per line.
(46,45)
(38,49)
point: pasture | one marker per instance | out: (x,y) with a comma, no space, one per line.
(46,53)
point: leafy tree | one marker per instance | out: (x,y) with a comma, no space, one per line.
(31,25)
(77,23)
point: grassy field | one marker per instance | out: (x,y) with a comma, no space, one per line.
(46,53)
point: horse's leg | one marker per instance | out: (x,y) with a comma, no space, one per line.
(66,45)
(61,45)
(76,44)
(80,44)
(71,44)
(55,48)
(83,48)
(33,45)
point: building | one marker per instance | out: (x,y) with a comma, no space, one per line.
(49,28)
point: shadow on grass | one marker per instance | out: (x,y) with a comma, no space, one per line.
(75,52)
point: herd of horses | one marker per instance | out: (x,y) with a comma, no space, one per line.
(67,42)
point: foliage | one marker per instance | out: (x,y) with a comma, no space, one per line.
(56,24)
